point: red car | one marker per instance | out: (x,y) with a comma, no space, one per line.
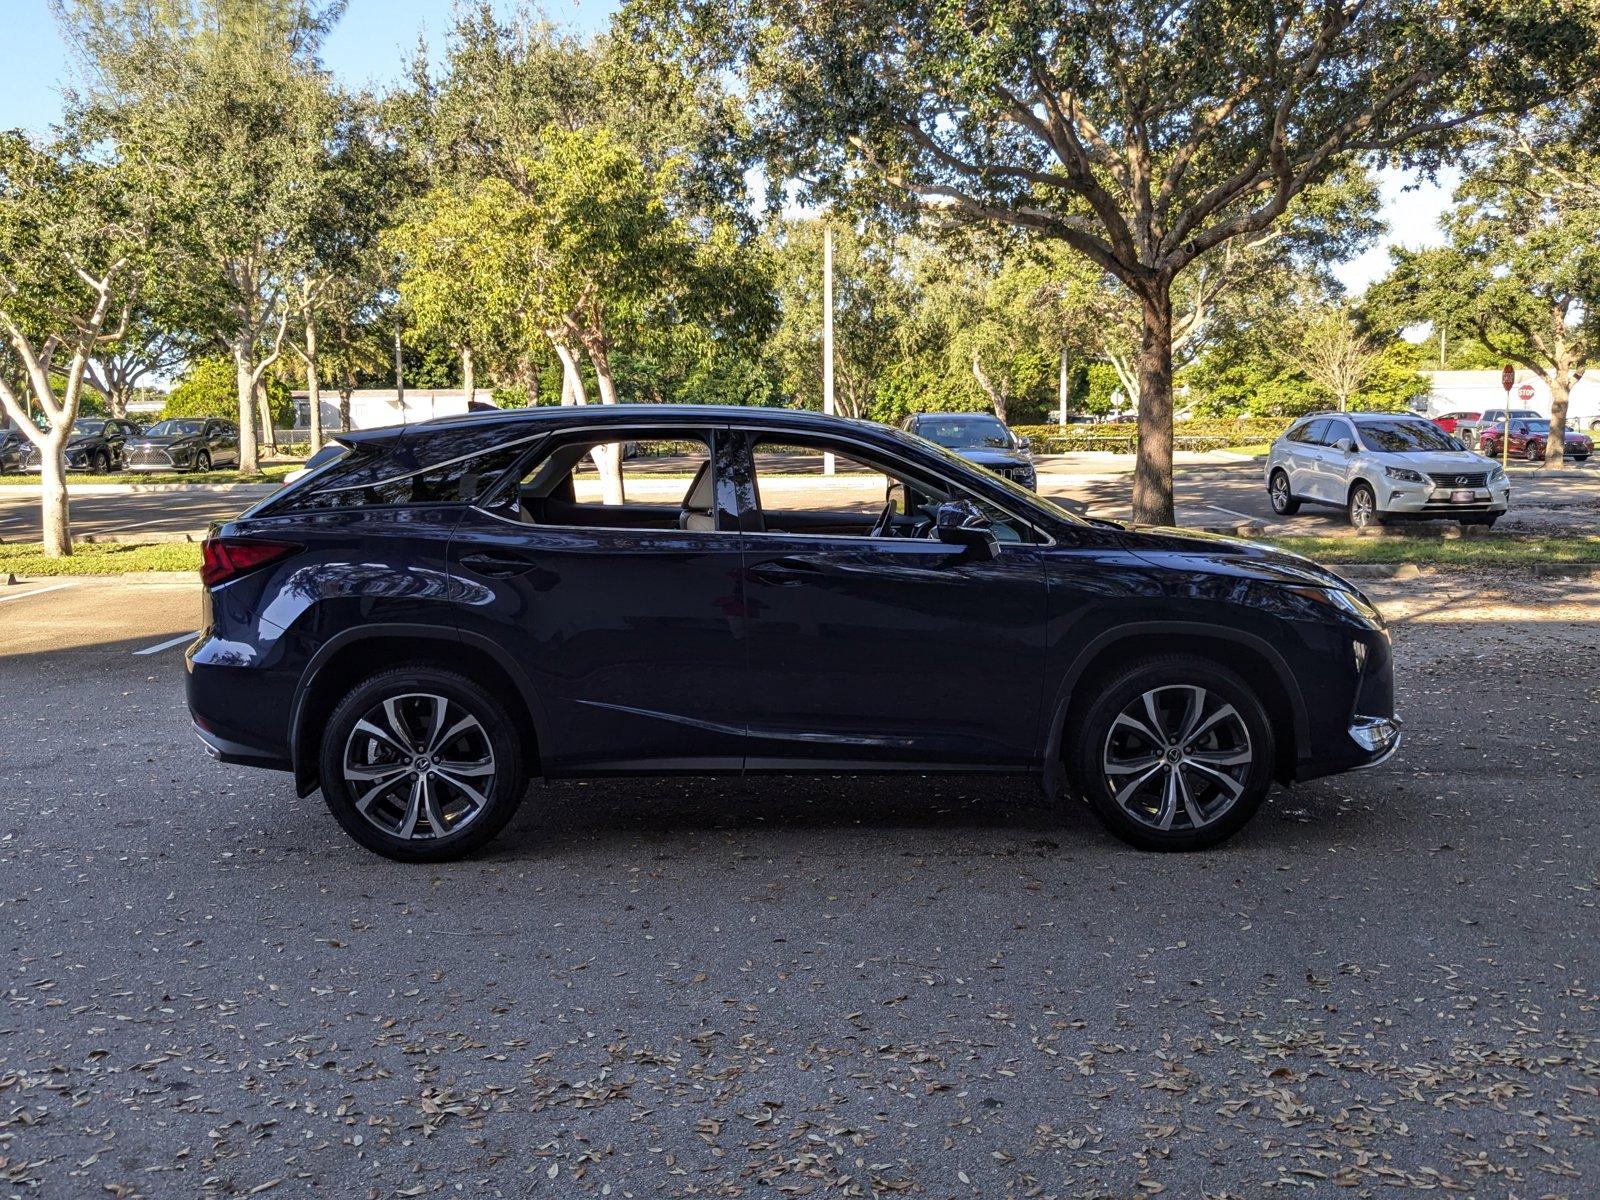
(1528,440)
(1452,422)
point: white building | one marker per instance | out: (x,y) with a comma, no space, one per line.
(1474,391)
(372,408)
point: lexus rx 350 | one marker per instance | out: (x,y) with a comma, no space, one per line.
(423,623)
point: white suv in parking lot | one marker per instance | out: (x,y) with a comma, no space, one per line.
(1377,465)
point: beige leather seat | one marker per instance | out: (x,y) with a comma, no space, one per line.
(697,514)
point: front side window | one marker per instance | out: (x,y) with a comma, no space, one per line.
(867,496)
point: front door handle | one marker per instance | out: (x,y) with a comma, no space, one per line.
(497,562)
(785,572)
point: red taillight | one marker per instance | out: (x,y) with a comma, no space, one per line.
(226,558)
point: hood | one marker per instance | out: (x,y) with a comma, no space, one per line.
(1232,556)
(1437,462)
(167,439)
(995,456)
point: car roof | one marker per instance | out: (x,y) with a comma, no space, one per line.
(528,420)
(954,416)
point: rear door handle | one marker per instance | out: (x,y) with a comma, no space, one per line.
(497,562)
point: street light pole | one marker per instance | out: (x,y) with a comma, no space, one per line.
(827,334)
(1061,393)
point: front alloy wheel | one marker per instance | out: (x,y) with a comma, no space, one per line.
(1173,753)
(1363,507)
(421,764)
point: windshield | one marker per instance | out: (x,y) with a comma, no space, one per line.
(1028,499)
(965,433)
(1537,426)
(89,428)
(1405,437)
(175,428)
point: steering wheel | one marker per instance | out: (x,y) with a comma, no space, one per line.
(880,527)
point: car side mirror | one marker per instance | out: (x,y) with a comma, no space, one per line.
(961,523)
(1025,445)
(1345,445)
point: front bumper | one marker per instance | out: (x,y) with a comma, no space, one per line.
(1377,736)
(1428,500)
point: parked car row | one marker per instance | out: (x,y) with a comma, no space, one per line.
(1381,465)
(1530,433)
(102,445)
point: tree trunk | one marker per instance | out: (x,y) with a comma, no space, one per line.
(608,458)
(313,384)
(344,406)
(269,435)
(996,397)
(54,516)
(469,383)
(117,402)
(1555,446)
(1152,472)
(244,381)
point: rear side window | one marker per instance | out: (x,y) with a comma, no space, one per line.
(436,468)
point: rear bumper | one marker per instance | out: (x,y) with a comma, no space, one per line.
(224,750)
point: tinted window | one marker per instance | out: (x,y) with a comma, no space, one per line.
(175,428)
(90,428)
(1403,437)
(467,464)
(964,433)
(660,483)
(1315,433)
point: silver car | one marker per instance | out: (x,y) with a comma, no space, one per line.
(1378,465)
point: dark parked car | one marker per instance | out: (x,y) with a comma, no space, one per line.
(979,438)
(96,445)
(14,447)
(185,444)
(1529,438)
(421,624)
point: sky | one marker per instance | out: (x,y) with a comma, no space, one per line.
(373,43)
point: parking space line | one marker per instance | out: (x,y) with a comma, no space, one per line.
(1231,513)
(54,587)
(169,643)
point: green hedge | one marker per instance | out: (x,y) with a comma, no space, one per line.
(1122,437)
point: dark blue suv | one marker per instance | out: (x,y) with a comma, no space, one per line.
(446,609)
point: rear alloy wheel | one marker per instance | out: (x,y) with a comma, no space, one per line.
(1533,452)
(421,765)
(1467,438)
(1363,507)
(1174,754)
(1283,502)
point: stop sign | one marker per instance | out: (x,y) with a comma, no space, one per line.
(1525,393)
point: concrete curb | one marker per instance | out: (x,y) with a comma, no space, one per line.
(1404,572)
(163,578)
(143,489)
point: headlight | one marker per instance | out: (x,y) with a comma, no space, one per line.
(1348,604)
(1497,475)
(1404,474)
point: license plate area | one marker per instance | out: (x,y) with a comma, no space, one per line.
(1468,495)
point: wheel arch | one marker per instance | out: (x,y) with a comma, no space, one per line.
(348,657)
(1249,656)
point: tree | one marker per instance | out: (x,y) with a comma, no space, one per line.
(1521,272)
(72,234)
(1337,355)
(1144,136)
(207,390)
(154,342)
(225,99)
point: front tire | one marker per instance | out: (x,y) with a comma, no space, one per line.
(1283,501)
(1174,753)
(1362,507)
(202,462)
(1533,452)
(421,764)
(100,463)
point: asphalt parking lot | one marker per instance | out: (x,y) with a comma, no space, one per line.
(828,987)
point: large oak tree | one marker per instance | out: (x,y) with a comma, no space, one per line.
(1145,134)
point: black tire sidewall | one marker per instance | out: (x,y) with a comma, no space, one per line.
(202,461)
(491,712)
(1290,504)
(1083,749)
(1350,505)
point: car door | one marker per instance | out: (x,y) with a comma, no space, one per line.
(1300,458)
(1335,467)
(626,619)
(222,443)
(884,651)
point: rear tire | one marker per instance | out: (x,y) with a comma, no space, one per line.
(1135,754)
(1362,507)
(1467,438)
(421,764)
(1283,502)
